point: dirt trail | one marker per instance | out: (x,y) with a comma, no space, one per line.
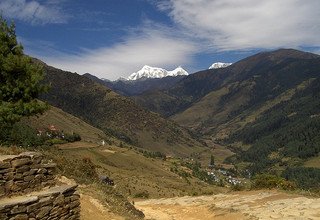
(239,205)
(92,209)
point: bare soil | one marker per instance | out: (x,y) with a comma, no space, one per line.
(233,206)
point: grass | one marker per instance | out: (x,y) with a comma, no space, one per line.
(67,123)
(313,162)
(133,173)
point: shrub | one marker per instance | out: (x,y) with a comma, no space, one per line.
(72,137)
(143,194)
(271,181)
(23,135)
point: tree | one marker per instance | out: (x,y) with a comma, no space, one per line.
(211,160)
(19,80)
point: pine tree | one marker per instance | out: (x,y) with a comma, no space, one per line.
(19,80)
(212,160)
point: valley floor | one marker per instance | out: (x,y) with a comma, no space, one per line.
(233,206)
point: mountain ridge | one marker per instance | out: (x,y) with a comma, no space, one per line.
(219,65)
(116,115)
(156,72)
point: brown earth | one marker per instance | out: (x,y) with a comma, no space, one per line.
(233,206)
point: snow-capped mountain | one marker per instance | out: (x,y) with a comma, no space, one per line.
(155,72)
(219,65)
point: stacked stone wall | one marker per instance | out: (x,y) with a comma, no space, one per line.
(28,190)
(25,173)
(56,203)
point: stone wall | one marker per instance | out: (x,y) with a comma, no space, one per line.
(28,191)
(56,203)
(24,173)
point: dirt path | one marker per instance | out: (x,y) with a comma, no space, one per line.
(241,205)
(92,209)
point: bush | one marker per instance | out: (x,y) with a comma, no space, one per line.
(72,137)
(143,194)
(55,141)
(304,177)
(271,181)
(237,187)
(23,135)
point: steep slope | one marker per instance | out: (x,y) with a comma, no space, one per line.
(250,86)
(270,67)
(266,111)
(265,108)
(136,87)
(115,114)
(66,122)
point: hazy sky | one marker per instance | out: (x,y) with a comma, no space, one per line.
(113,38)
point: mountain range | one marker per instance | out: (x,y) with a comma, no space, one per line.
(155,72)
(265,108)
(219,65)
(116,115)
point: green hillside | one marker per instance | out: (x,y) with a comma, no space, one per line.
(116,115)
(264,108)
(66,122)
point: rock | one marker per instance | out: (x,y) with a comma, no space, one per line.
(31,154)
(22,184)
(30,172)
(7,158)
(5,165)
(8,176)
(18,209)
(18,176)
(46,201)
(44,211)
(59,201)
(21,200)
(56,211)
(33,207)
(74,204)
(20,162)
(39,177)
(6,170)
(74,197)
(8,185)
(3,216)
(42,171)
(2,191)
(23,169)
(28,178)
(20,217)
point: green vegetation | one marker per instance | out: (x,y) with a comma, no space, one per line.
(68,124)
(211,160)
(271,181)
(116,115)
(19,88)
(306,178)
(143,194)
(19,82)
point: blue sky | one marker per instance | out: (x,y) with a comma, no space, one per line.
(114,38)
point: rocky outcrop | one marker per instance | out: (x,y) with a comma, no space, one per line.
(31,177)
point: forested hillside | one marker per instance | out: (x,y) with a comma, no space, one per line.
(116,115)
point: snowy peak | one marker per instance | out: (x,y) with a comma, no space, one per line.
(155,72)
(219,65)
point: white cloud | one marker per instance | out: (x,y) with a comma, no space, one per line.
(150,47)
(32,11)
(248,24)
